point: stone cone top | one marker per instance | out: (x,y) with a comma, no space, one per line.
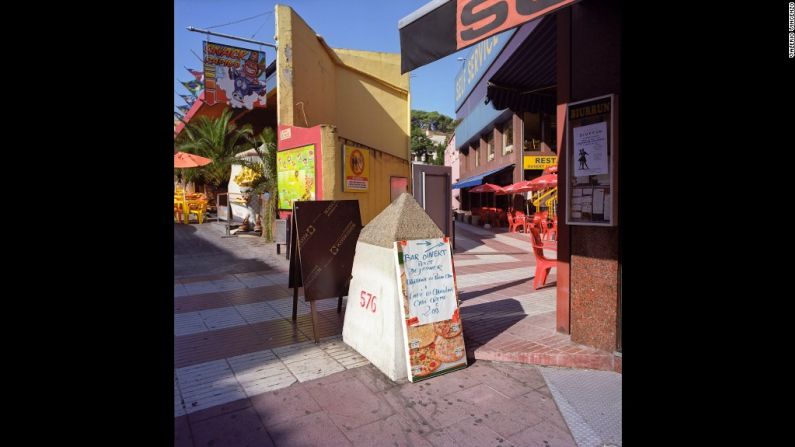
(403,219)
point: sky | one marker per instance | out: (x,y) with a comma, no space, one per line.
(370,25)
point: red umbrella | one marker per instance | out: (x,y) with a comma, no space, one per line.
(186,160)
(545,181)
(519,187)
(487,187)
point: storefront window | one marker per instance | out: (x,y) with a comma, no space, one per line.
(540,132)
(549,135)
(532,132)
(507,137)
(489,137)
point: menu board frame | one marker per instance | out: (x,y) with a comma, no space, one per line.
(438,347)
(591,135)
(323,244)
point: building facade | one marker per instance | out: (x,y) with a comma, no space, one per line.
(512,95)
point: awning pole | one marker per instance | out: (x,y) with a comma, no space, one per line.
(228,36)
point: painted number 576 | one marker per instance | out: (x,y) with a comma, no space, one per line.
(367,300)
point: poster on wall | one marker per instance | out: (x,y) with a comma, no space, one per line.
(591,181)
(235,76)
(433,335)
(295,175)
(357,169)
(590,149)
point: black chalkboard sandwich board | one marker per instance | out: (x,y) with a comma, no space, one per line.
(322,247)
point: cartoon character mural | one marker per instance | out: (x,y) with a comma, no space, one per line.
(234,75)
(246,79)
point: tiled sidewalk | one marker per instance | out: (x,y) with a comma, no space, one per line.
(484,404)
(504,318)
(245,374)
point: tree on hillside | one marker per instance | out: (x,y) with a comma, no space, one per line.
(423,148)
(434,121)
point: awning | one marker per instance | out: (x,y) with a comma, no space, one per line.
(478,179)
(526,81)
(442,27)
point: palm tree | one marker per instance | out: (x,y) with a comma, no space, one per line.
(219,140)
(266,182)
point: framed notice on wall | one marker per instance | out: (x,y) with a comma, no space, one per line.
(591,197)
(356,169)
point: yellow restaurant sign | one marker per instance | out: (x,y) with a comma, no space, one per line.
(539,161)
(357,169)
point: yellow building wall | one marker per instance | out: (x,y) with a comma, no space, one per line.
(362,93)
(355,95)
(382,167)
(305,73)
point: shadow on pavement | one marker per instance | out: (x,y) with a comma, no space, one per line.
(476,293)
(483,322)
(202,251)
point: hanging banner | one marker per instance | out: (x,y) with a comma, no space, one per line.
(196,74)
(441,28)
(432,329)
(193,87)
(188,99)
(295,175)
(357,169)
(235,76)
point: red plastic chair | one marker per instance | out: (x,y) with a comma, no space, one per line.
(553,233)
(502,219)
(515,222)
(485,216)
(543,264)
(542,223)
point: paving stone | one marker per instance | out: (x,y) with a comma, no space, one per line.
(471,432)
(359,406)
(544,434)
(392,431)
(314,367)
(182,435)
(315,429)
(286,404)
(236,429)
(543,406)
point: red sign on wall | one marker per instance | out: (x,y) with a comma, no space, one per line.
(479,19)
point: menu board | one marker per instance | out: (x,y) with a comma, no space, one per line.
(324,242)
(295,175)
(433,335)
(592,161)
